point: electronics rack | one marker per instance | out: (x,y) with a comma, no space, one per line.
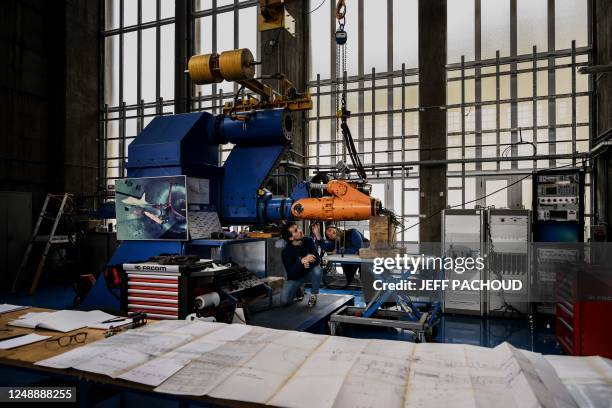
(558,206)
(508,237)
(559,198)
(463,235)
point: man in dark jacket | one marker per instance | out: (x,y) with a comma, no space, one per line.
(301,262)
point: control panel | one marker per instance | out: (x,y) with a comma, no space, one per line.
(558,197)
(509,230)
(242,281)
(232,279)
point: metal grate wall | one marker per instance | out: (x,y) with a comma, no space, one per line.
(515,101)
(138,77)
(382,95)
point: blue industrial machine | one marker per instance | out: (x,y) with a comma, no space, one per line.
(188,144)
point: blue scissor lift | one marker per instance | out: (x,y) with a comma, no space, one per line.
(410,315)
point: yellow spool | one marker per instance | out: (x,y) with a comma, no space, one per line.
(237,65)
(204,69)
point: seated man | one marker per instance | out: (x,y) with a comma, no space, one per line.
(301,263)
(342,242)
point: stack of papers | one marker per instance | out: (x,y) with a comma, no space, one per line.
(6,308)
(588,379)
(295,369)
(62,320)
(21,341)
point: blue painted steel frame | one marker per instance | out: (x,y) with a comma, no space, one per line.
(415,314)
(187,144)
(246,171)
(380,299)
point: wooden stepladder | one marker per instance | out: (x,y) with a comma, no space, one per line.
(49,239)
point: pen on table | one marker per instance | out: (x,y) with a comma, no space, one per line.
(114,320)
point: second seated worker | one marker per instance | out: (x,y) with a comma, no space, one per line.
(338,241)
(301,262)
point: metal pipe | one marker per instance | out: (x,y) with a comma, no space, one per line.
(595,69)
(256,128)
(519,58)
(600,145)
(289,163)
(458,161)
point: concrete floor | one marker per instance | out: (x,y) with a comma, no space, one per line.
(487,332)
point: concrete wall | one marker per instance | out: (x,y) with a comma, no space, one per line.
(432,122)
(289,56)
(82,95)
(602,116)
(602,38)
(49,96)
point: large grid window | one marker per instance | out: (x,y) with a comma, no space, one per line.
(139,63)
(222,25)
(515,101)
(382,95)
(138,81)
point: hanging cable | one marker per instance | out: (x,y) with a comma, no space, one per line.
(316,8)
(342,113)
(520,142)
(352,151)
(478,199)
(310,12)
(232,111)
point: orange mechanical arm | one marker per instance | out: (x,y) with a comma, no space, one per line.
(346,204)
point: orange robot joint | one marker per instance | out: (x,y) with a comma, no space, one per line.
(346,204)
